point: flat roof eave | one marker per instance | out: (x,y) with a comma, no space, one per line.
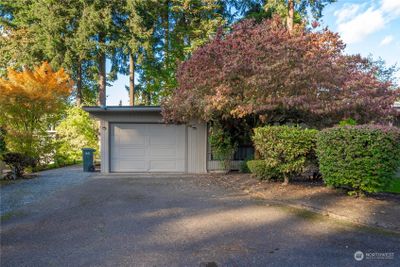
(120,109)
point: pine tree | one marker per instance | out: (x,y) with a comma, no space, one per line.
(176,27)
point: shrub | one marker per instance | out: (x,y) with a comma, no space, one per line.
(362,158)
(76,131)
(18,162)
(243,168)
(222,145)
(262,170)
(2,141)
(287,150)
(348,122)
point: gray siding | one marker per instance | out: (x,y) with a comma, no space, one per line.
(197,148)
(104,146)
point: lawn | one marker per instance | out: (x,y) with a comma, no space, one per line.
(394,186)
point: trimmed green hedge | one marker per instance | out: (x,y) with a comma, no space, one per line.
(262,170)
(287,150)
(363,158)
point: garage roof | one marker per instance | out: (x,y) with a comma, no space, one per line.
(113,109)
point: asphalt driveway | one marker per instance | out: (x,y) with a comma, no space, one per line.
(24,192)
(170,220)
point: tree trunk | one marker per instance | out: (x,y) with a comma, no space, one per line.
(131,80)
(285,179)
(166,34)
(148,99)
(290,17)
(79,84)
(101,61)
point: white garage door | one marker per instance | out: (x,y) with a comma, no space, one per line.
(147,148)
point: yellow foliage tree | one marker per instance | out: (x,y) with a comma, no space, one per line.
(31,101)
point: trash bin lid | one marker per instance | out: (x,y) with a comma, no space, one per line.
(88,149)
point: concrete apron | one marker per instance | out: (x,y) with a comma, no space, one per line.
(141,175)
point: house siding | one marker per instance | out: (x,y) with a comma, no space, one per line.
(104,146)
(197,148)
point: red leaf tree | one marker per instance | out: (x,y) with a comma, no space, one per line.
(264,70)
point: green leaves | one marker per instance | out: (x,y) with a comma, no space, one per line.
(361,158)
(286,150)
(222,145)
(30,102)
(75,132)
(3,146)
(264,170)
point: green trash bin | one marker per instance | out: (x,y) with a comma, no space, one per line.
(87,156)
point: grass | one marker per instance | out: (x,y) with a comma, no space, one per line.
(394,187)
(53,165)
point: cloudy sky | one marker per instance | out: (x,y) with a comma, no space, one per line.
(366,26)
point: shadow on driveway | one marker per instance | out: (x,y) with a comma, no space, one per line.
(172,221)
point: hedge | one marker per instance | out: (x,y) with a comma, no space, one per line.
(362,158)
(262,170)
(286,150)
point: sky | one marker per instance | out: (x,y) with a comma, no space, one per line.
(368,27)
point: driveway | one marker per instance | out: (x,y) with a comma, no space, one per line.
(23,192)
(171,220)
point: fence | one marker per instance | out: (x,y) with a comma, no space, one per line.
(242,153)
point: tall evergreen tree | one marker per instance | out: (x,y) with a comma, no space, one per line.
(134,38)
(176,28)
(47,30)
(297,10)
(145,39)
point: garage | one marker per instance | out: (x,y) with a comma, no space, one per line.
(136,139)
(147,148)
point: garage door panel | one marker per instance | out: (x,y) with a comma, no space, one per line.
(163,140)
(161,129)
(126,140)
(163,165)
(132,152)
(163,152)
(130,137)
(132,165)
